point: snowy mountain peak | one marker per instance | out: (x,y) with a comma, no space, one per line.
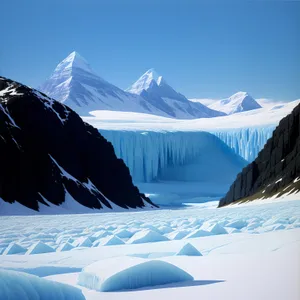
(73,60)
(238,102)
(147,80)
(239,95)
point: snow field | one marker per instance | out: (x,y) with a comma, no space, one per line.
(238,258)
(45,234)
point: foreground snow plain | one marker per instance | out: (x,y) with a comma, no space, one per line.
(249,251)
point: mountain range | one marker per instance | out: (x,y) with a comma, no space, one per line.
(75,84)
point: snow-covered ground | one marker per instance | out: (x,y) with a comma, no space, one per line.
(249,251)
(111,120)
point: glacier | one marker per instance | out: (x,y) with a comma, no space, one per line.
(149,154)
(246,142)
(176,156)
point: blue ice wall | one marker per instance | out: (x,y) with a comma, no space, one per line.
(246,142)
(159,155)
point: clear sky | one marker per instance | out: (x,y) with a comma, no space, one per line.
(204,49)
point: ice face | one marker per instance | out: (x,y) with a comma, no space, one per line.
(184,156)
(246,142)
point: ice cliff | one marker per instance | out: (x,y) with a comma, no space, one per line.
(176,156)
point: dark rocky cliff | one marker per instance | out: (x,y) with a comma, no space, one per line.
(47,151)
(276,170)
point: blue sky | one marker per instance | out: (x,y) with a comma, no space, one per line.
(204,49)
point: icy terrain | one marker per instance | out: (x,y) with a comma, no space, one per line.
(148,144)
(170,167)
(246,133)
(246,142)
(248,251)
(163,155)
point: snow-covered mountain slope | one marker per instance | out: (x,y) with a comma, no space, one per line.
(50,158)
(276,170)
(204,101)
(160,94)
(76,85)
(238,102)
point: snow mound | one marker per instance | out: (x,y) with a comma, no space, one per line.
(178,234)
(198,233)
(214,228)
(130,273)
(39,247)
(17,285)
(111,240)
(147,236)
(232,230)
(238,224)
(165,229)
(189,250)
(83,242)
(101,234)
(124,234)
(65,247)
(14,248)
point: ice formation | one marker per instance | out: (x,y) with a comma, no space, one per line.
(14,248)
(18,285)
(130,273)
(39,247)
(111,240)
(214,228)
(65,247)
(156,155)
(188,250)
(246,142)
(197,233)
(147,236)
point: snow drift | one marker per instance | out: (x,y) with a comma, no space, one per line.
(130,273)
(21,286)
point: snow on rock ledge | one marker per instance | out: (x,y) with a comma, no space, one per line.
(17,285)
(130,273)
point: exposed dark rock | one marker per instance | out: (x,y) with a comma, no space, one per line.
(47,151)
(276,169)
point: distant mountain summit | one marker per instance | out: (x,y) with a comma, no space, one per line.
(238,102)
(154,88)
(74,83)
(145,82)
